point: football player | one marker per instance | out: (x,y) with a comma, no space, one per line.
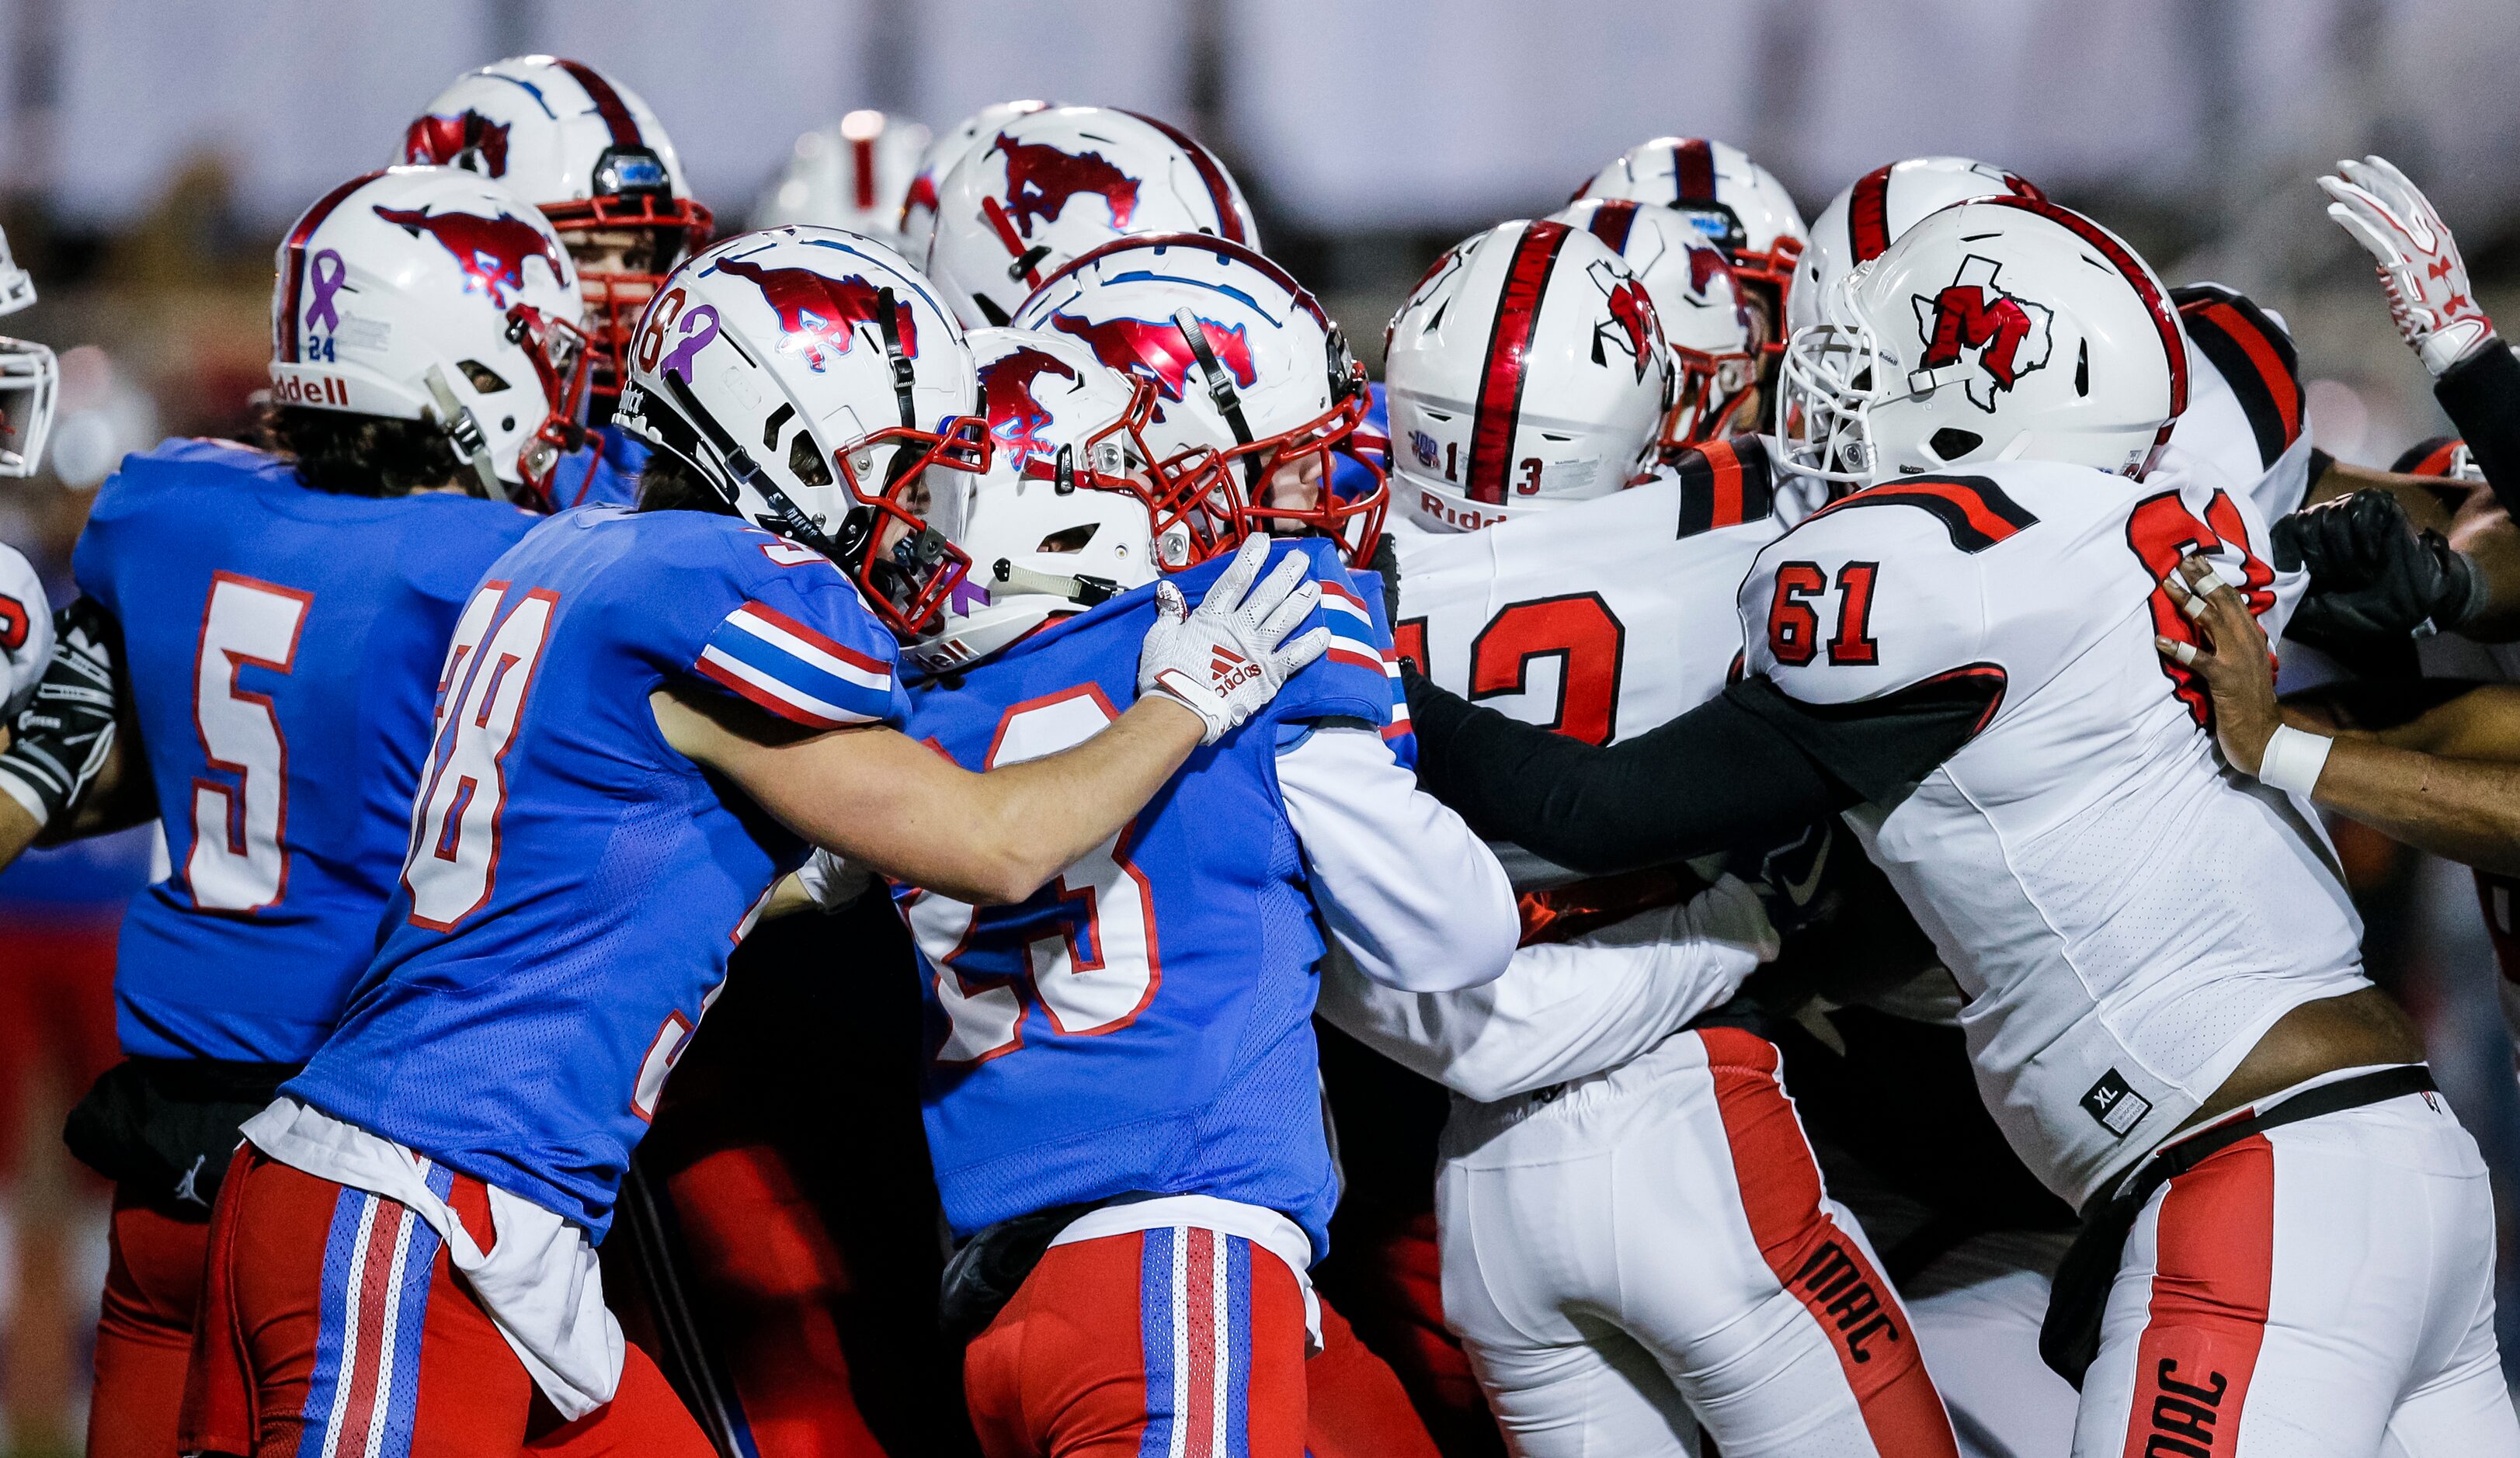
(269,625)
(645,718)
(1134,1262)
(917,221)
(589,153)
(854,174)
(1959,654)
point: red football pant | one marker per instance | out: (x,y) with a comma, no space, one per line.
(1179,1340)
(332,1323)
(144,1336)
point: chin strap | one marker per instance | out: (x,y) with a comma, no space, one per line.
(785,518)
(1081,589)
(887,316)
(465,432)
(1219,389)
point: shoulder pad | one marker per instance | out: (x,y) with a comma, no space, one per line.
(2253,352)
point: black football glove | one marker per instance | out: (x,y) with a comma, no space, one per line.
(2371,574)
(62,739)
(1793,879)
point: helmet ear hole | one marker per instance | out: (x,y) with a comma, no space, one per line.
(1951,443)
(487,380)
(805,462)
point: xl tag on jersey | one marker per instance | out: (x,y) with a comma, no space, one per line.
(2116,1106)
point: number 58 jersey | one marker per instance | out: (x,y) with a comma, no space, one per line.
(2126,917)
(573,885)
(282,646)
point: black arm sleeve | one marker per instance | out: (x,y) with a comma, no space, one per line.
(1747,767)
(2481,396)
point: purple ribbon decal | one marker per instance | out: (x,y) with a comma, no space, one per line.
(321,313)
(969,596)
(678,363)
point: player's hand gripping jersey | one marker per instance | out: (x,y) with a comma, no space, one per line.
(2126,917)
(523,1012)
(1143,1024)
(281,644)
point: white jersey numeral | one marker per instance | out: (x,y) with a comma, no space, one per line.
(1088,938)
(237,862)
(454,858)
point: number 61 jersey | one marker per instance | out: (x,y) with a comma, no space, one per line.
(2125,915)
(573,885)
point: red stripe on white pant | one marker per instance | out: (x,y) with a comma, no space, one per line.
(2213,1271)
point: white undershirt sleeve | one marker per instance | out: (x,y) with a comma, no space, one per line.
(1403,886)
(1562,1010)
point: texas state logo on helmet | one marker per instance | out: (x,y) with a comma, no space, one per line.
(1053,185)
(1859,223)
(2005,329)
(434,294)
(852,174)
(588,151)
(814,380)
(1075,507)
(1527,370)
(1699,303)
(918,224)
(1735,203)
(1243,362)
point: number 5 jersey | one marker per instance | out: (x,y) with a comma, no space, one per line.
(283,644)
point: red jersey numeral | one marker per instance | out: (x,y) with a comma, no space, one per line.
(1588,641)
(2161,531)
(1793,616)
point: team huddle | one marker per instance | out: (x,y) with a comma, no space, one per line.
(1739,707)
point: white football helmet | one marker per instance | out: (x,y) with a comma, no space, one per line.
(1057,184)
(1738,205)
(586,151)
(2006,328)
(429,293)
(1527,370)
(1243,362)
(30,378)
(918,223)
(813,379)
(852,174)
(1075,506)
(1862,222)
(1699,303)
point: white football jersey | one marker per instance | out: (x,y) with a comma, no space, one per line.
(25,631)
(2126,917)
(2247,412)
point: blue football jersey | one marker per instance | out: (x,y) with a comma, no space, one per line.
(602,472)
(283,646)
(573,885)
(1144,1023)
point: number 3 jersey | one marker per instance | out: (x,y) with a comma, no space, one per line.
(573,885)
(283,646)
(2126,917)
(1142,1025)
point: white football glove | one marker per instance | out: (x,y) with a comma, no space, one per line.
(2429,296)
(1222,662)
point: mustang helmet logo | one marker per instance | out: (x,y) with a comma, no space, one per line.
(1041,179)
(817,310)
(446,140)
(2008,333)
(1016,417)
(492,251)
(1632,324)
(1156,350)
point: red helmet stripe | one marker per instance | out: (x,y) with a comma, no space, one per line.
(283,330)
(1499,407)
(2164,320)
(1611,222)
(863,153)
(1693,171)
(1229,221)
(607,102)
(1867,215)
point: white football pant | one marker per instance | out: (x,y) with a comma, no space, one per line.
(1977,1308)
(2321,1290)
(1649,1244)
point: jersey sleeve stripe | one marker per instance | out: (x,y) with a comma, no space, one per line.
(1337,599)
(1723,483)
(776,696)
(1355,653)
(2255,358)
(1973,511)
(789,636)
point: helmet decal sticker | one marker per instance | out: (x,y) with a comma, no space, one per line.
(1016,417)
(492,251)
(817,310)
(2010,334)
(1156,350)
(466,140)
(1041,180)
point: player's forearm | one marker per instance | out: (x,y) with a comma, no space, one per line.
(2481,396)
(18,830)
(1027,823)
(2466,811)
